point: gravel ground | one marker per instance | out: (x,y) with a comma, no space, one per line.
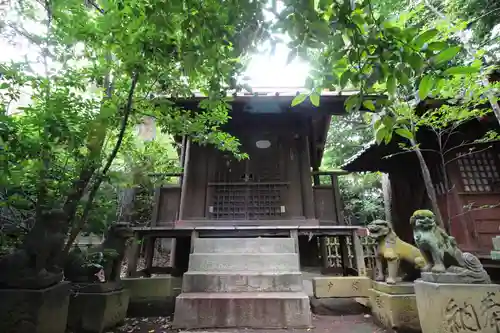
(322,324)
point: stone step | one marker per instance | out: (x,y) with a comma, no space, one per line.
(231,282)
(254,262)
(244,245)
(242,310)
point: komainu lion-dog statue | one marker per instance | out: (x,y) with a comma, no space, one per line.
(82,266)
(441,252)
(399,256)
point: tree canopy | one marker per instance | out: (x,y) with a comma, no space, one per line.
(102,67)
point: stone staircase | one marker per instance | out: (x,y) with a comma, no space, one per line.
(243,282)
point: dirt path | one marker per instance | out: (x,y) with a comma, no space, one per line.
(322,324)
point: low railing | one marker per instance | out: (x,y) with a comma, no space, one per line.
(334,253)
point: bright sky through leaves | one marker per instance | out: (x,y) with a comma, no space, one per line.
(264,70)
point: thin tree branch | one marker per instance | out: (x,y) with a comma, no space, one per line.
(467,154)
(475,209)
(96,6)
(109,162)
(410,150)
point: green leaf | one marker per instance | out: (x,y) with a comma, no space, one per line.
(351,102)
(416,62)
(437,46)
(369,105)
(446,55)
(380,134)
(461,70)
(314,97)
(424,37)
(358,20)
(344,78)
(402,77)
(425,86)
(388,121)
(391,85)
(388,137)
(410,33)
(299,99)
(405,133)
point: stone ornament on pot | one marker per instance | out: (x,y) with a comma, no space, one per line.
(446,262)
(399,256)
(455,293)
(392,296)
(98,300)
(85,266)
(33,297)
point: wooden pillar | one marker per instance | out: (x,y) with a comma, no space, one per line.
(156,207)
(150,251)
(306,180)
(344,255)
(386,190)
(337,200)
(185,173)
(358,253)
(324,252)
(294,193)
(133,256)
(316,178)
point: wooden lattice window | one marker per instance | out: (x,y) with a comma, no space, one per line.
(247,202)
(478,172)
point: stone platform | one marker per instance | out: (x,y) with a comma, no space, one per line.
(153,296)
(243,282)
(446,307)
(34,311)
(395,306)
(96,312)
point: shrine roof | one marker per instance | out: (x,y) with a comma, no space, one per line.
(373,157)
(279,101)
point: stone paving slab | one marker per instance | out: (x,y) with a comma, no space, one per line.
(322,324)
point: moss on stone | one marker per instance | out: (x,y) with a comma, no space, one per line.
(423,212)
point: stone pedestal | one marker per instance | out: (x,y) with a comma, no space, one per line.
(154,296)
(34,311)
(445,307)
(395,306)
(341,286)
(98,307)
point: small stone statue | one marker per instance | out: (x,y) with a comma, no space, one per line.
(398,254)
(34,264)
(83,266)
(445,261)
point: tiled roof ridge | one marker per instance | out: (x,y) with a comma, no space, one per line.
(366,146)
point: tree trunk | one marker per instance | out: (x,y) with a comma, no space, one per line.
(429,186)
(386,190)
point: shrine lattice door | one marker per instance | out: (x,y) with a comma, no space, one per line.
(250,189)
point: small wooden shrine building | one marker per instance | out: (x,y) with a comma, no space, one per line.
(469,204)
(275,190)
(274,186)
